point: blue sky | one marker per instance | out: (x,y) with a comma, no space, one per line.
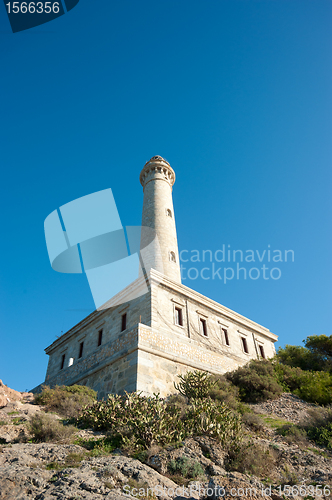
(236,95)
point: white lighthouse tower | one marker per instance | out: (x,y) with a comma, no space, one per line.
(157,179)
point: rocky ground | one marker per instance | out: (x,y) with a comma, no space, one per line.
(49,471)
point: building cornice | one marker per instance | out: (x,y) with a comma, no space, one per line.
(226,313)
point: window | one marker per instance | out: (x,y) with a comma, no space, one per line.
(226,338)
(245,345)
(81,350)
(100,337)
(178,316)
(261,350)
(169,213)
(62,361)
(203,327)
(124,322)
(172,257)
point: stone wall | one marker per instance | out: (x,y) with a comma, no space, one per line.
(166,296)
(150,353)
(109,321)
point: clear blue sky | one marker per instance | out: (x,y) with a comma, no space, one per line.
(236,95)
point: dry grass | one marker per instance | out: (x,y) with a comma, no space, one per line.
(47,428)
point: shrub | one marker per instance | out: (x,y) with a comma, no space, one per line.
(179,402)
(226,392)
(297,356)
(289,478)
(256,381)
(314,387)
(316,355)
(99,447)
(293,435)
(45,427)
(321,435)
(195,385)
(253,421)
(187,468)
(251,458)
(68,401)
(319,426)
(140,422)
(215,419)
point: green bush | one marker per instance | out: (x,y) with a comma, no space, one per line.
(297,356)
(293,435)
(195,385)
(137,419)
(311,386)
(316,355)
(256,381)
(140,422)
(45,427)
(215,419)
(264,379)
(321,435)
(187,468)
(319,427)
(67,401)
(225,391)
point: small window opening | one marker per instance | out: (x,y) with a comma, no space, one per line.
(245,345)
(169,213)
(100,337)
(203,327)
(178,316)
(124,322)
(81,350)
(172,257)
(225,332)
(62,361)
(261,350)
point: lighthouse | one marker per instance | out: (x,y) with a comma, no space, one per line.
(145,341)
(157,179)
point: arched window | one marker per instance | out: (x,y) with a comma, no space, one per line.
(169,212)
(172,257)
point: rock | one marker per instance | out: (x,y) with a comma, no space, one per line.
(22,472)
(215,470)
(234,486)
(7,395)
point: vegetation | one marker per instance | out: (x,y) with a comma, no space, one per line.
(251,458)
(186,468)
(140,422)
(319,427)
(316,355)
(100,447)
(67,401)
(45,427)
(72,460)
(294,434)
(206,405)
(256,381)
(195,385)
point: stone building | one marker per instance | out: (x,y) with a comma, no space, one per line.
(143,343)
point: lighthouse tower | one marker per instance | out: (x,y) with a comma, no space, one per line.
(157,179)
